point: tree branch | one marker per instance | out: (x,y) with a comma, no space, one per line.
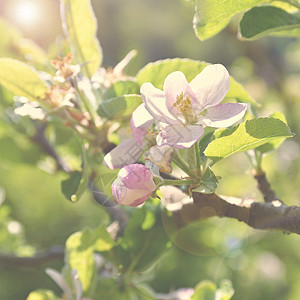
(53,253)
(265,188)
(272,215)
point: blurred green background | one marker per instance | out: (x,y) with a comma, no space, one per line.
(34,215)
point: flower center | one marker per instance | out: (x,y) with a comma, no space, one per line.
(150,137)
(184,106)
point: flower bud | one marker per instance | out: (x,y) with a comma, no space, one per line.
(133,186)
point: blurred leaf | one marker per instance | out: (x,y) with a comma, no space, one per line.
(157,72)
(10,35)
(79,256)
(205,290)
(209,183)
(80,248)
(226,290)
(121,88)
(213,15)
(42,294)
(246,136)
(32,51)
(80,26)
(267,19)
(21,79)
(119,107)
(140,248)
(75,186)
(275,144)
(70,186)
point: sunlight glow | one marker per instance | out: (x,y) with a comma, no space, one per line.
(26,13)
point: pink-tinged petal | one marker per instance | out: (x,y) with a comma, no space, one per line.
(174,85)
(133,186)
(124,154)
(210,87)
(155,103)
(140,121)
(124,196)
(137,176)
(224,115)
(180,136)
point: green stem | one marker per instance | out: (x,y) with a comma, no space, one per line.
(198,157)
(258,158)
(176,182)
(176,158)
(86,103)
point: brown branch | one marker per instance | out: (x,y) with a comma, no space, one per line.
(271,215)
(54,253)
(264,186)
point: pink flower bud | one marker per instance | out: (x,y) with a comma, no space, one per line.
(133,186)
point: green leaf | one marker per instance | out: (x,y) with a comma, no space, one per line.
(75,186)
(157,72)
(143,242)
(209,182)
(121,88)
(274,144)
(70,186)
(226,291)
(119,108)
(248,135)
(80,26)
(205,290)
(21,79)
(79,256)
(263,20)
(42,294)
(213,15)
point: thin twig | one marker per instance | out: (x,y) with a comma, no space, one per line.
(265,188)
(53,253)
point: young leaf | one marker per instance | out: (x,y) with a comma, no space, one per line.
(157,72)
(205,290)
(246,136)
(75,186)
(119,108)
(121,88)
(42,294)
(263,20)
(80,257)
(21,79)
(70,186)
(80,248)
(213,15)
(209,182)
(274,144)
(80,26)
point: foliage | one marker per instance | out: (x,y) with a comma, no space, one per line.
(63,117)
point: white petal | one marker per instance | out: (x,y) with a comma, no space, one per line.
(224,115)
(210,86)
(155,103)
(140,121)
(174,85)
(180,136)
(124,154)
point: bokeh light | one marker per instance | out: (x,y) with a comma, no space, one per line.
(27,13)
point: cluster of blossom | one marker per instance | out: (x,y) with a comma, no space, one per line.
(174,117)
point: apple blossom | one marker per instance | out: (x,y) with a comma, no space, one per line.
(129,150)
(133,185)
(186,108)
